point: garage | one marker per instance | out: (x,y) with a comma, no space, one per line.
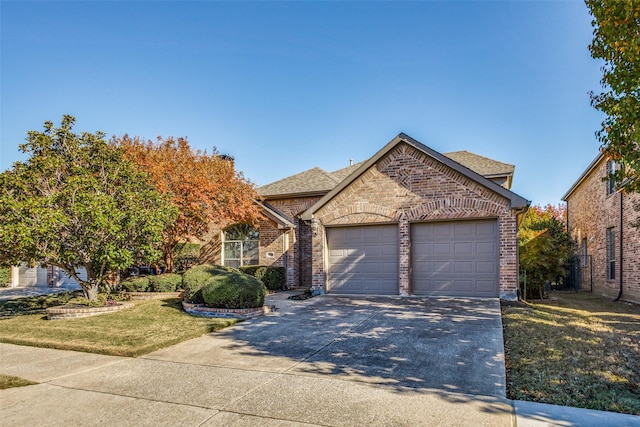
(455,258)
(363,259)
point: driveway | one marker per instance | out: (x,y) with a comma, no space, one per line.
(324,361)
(446,344)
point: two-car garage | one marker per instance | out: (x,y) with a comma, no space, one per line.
(449,258)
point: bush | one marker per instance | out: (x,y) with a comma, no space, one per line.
(195,278)
(5,277)
(169,282)
(233,290)
(274,278)
(136,284)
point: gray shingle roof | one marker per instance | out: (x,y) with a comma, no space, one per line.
(312,181)
(341,174)
(481,165)
(316,181)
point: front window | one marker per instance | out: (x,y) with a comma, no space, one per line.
(240,246)
(611,254)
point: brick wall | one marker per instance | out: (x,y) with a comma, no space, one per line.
(284,248)
(408,186)
(591,212)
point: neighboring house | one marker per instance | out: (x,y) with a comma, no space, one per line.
(604,224)
(408,221)
(53,277)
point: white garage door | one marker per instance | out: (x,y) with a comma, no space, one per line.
(363,259)
(458,258)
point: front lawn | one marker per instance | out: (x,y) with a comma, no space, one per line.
(578,350)
(147,327)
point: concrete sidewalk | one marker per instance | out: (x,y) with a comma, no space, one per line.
(262,372)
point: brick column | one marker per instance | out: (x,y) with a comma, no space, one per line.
(404,251)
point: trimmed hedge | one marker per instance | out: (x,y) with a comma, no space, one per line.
(233,290)
(274,278)
(195,278)
(136,284)
(169,282)
(161,283)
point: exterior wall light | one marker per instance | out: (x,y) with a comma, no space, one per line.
(314,226)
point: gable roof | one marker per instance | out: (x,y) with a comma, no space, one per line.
(310,182)
(485,166)
(277,216)
(516,201)
(584,175)
(341,174)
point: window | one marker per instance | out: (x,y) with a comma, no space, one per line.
(611,184)
(584,252)
(611,254)
(240,246)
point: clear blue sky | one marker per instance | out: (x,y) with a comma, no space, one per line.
(285,86)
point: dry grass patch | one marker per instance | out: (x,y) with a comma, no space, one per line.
(578,350)
(147,327)
(8,381)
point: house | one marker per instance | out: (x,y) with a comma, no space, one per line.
(604,224)
(407,221)
(53,277)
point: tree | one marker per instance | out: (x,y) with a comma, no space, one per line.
(617,42)
(77,203)
(205,188)
(545,245)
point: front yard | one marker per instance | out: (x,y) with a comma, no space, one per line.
(147,327)
(578,350)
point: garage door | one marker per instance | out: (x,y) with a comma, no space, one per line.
(363,260)
(455,258)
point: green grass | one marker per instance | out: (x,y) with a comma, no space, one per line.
(147,327)
(577,350)
(8,381)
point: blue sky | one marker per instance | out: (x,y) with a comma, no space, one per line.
(286,86)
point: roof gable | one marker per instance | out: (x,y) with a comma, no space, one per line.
(515,200)
(584,175)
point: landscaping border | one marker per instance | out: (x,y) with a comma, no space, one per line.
(236,313)
(143,296)
(75,312)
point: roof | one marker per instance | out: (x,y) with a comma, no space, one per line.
(310,182)
(341,174)
(483,165)
(584,175)
(516,201)
(277,216)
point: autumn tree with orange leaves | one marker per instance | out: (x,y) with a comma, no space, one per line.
(205,187)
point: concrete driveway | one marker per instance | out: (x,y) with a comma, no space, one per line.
(446,344)
(324,361)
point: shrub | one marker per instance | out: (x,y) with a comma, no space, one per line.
(5,276)
(274,278)
(250,269)
(233,290)
(136,284)
(194,279)
(169,282)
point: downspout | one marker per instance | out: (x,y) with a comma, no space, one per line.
(621,249)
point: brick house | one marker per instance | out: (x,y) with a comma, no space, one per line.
(407,221)
(602,222)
